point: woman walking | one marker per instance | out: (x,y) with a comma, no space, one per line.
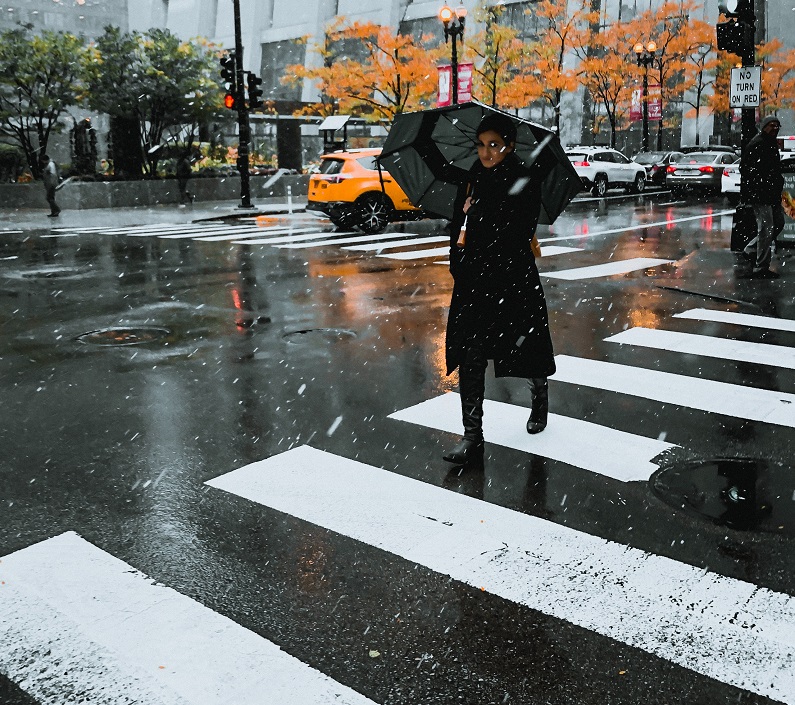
(498,311)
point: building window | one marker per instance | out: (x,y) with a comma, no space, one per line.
(276,56)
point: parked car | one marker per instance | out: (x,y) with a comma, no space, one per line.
(730,182)
(698,171)
(601,168)
(347,188)
(655,164)
(688,149)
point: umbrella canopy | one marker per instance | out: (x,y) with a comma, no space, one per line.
(430,152)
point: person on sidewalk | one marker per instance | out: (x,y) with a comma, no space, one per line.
(498,311)
(184,172)
(762,186)
(50,176)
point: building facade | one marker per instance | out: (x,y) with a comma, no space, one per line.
(80,17)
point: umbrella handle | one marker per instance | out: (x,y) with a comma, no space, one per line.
(462,235)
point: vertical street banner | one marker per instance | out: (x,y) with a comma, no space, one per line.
(788,203)
(655,104)
(445,94)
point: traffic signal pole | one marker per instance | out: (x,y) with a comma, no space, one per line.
(244,129)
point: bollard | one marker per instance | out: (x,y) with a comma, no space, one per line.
(290,200)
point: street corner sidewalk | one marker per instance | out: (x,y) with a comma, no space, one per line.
(38,218)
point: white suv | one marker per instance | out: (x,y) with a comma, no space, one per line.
(601,168)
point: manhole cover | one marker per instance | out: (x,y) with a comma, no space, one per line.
(741,493)
(323,333)
(123,336)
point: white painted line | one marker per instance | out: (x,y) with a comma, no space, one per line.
(552,250)
(61,235)
(726,629)
(275,231)
(338,240)
(419,254)
(708,346)
(637,226)
(740,319)
(285,238)
(82,626)
(608,269)
(692,392)
(144,230)
(202,233)
(617,454)
(93,229)
(390,244)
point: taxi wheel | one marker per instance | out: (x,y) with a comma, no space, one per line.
(374,212)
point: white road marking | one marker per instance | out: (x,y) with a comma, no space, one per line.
(390,244)
(617,454)
(638,226)
(202,233)
(287,238)
(419,254)
(345,238)
(708,346)
(691,392)
(607,269)
(551,250)
(258,232)
(78,621)
(726,629)
(740,319)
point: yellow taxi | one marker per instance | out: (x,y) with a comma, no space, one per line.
(347,188)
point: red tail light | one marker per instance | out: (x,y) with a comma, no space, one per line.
(706,169)
(580,163)
(670,169)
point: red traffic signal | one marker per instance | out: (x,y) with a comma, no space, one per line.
(229,101)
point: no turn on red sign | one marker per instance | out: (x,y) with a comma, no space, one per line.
(746,87)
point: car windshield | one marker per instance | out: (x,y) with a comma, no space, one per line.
(699,158)
(649,157)
(331,166)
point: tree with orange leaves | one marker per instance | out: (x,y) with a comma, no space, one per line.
(369,70)
(498,75)
(561,33)
(778,77)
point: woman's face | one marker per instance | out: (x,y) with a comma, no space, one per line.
(492,148)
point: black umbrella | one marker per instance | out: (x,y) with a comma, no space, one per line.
(430,152)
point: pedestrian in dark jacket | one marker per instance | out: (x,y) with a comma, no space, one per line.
(50,176)
(762,185)
(498,311)
(184,172)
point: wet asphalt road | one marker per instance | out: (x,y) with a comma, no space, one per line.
(257,350)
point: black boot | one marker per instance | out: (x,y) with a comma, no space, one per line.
(539,409)
(472,385)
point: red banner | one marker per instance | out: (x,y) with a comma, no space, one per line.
(445,94)
(655,104)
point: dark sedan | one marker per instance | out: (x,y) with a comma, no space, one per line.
(656,164)
(698,171)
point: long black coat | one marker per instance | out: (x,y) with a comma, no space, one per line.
(760,170)
(497,294)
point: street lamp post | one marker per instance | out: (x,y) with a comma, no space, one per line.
(645,56)
(453,21)
(243,128)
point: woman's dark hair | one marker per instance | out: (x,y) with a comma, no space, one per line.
(501,124)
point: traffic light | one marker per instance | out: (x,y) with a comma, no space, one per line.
(736,35)
(254,90)
(229,101)
(228,71)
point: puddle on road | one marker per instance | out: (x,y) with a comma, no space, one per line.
(745,494)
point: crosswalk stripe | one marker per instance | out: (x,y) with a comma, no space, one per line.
(391,244)
(77,620)
(418,254)
(726,629)
(286,238)
(259,231)
(202,233)
(691,392)
(708,346)
(617,454)
(337,239)
(549,251)
(607,269)
(740,319)
(636,226)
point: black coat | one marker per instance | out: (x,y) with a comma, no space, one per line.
(497,294)
(760,170)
